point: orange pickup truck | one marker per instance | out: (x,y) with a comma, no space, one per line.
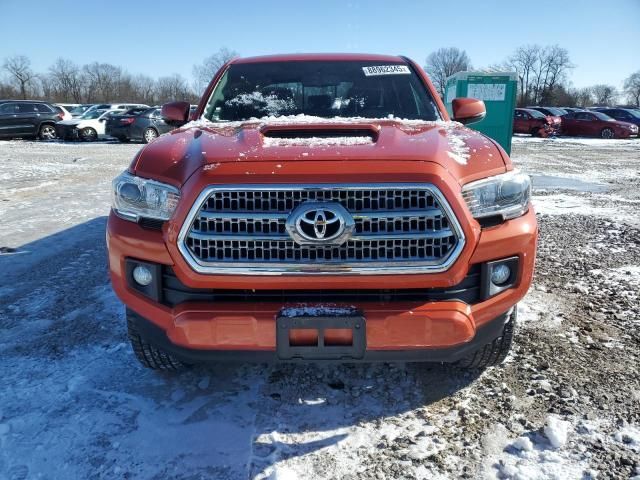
(321,208)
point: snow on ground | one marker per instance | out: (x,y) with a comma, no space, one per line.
(75,404)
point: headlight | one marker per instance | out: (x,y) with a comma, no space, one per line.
(134,197)
(505,195)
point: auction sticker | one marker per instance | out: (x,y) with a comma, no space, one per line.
(386,70)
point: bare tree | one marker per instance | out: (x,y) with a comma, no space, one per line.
(443,63)
(204,72)
(145,89)
(604,95)
(19,68)
(523,61)
(632,88)
(66,80)
(173,88)
(584,97)
(541,71)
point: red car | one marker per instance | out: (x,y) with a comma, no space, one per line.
(526,120)
(596,124)
(554,115)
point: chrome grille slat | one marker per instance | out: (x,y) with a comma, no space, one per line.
(399,228)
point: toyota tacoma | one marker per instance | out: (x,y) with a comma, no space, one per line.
(321,208)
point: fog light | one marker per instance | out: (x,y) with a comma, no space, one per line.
(142,275)
(500,274)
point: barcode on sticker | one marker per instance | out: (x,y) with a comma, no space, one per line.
(386,70)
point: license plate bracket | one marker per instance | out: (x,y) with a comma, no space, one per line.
(355,323)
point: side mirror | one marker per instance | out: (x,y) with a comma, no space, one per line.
(176,113)
(468,110)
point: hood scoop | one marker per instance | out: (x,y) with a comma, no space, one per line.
(310,135)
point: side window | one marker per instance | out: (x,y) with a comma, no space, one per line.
(8,108)
(584,116)
(42,108)
(157,113)
(26,108)
(518,114)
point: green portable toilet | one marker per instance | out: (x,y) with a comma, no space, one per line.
(498,91)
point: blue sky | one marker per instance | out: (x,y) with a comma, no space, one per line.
(163,37)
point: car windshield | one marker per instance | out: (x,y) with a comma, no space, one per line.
(536,114)
(556,111)
(92,114)
(603,116)
(634,113)
(320,88)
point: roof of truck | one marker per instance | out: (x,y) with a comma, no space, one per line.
(299,57)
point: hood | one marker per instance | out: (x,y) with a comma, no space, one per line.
(174,157)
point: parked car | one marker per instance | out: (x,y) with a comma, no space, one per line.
(79,110)
(28,119)
(66,115)
(628,115)
(244,237)
(89,127)
(554,114)
(116,106)
(526,120)
(138,124)
(596,124)
(572,109)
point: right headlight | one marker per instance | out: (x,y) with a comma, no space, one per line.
(506,195)
(136,197)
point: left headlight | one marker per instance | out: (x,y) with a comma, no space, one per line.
(506,195)
(134,197)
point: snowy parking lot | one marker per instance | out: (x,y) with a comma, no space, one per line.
(74,402)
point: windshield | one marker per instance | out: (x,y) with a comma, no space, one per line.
(556,111)
(91,114)
(320,88)
(536,114)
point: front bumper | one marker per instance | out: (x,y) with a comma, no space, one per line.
(421,330)
(67,132)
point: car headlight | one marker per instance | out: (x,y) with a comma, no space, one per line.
(506,195)
(135,197)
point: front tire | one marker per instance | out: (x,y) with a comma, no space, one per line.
(147,354)
(607,133)
(493,353)
(149,135)
(47,132)
(88,134)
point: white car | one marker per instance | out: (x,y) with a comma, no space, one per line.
(88,127)
(66,115)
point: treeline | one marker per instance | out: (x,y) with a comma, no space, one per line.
(543,77)
(66,82)
(543,74)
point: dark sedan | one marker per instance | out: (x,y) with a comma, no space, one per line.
(628,115)
(596,124)
(137,124)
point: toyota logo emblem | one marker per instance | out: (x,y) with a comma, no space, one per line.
(320,223)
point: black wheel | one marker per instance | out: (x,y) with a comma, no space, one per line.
(88,134)
(47,132)
(607,133)
(148,355)
(149,135)
(494,353)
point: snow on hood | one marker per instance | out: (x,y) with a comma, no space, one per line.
(74,121)
(177,154)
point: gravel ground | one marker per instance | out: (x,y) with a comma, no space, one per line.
(75,404)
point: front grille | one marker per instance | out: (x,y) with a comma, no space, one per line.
(397,228)
(174,292)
